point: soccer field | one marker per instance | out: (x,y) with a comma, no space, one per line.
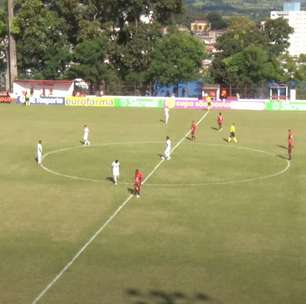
(218,223)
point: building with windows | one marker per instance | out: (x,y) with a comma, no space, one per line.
(202,30)
(297,20)
(200,26)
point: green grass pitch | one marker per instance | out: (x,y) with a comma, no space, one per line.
(210,227)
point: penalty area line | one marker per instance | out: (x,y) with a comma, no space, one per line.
(108,221)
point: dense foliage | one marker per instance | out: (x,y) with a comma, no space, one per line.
(3,41)
(105,42)
(253,54)
(114,43)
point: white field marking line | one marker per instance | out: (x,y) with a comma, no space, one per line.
(68,265)
(74,177)
(238,181)
(175,147)
(226,182)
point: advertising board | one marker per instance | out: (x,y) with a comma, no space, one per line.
(286,106)
(248,105)
(90,101)
(198,104)
(5,99)
(47,100)
(139,102)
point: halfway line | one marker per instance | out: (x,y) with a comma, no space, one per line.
(93,237)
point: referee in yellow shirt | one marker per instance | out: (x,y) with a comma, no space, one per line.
(232,134)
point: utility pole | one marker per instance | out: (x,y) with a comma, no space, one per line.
(12,60)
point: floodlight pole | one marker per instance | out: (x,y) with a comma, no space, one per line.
(12,60)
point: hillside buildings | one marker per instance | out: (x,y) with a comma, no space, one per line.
(202,30)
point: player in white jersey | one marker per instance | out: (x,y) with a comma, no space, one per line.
(167,151)
(166,112)
(39,151)
(116,171)
(86,141)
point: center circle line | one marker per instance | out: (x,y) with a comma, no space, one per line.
(224,182)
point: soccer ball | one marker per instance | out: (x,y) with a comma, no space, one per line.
(162,157)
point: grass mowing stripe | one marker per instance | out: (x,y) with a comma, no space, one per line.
(93,237)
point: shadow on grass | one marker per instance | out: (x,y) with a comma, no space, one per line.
(282,146)
(110,179)
(225,139)
(159,296)
(130,190)
(214,128)
(282,156)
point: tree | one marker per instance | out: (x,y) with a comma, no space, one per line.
(133,58)
(241,33)
(90,62)
(301,67)
(40,35)
(176,57)
(217,21)
(3,41)
(72,11)
(165,10)
(294,68)
(51,33)
(277,33)
(251,66)
(250,54)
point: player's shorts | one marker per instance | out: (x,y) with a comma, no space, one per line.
(232,134)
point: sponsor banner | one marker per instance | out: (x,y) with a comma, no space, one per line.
(198,104)
(140,102)
(247,105)
(286,106)
(260,100)
(47,100)
(115,101)
(6,99)
(220,106)
(90,101)
(190,103)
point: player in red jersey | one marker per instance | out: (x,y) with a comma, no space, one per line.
(138,180)
(193,130)
(290,134)
(290,144)
(220,120)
